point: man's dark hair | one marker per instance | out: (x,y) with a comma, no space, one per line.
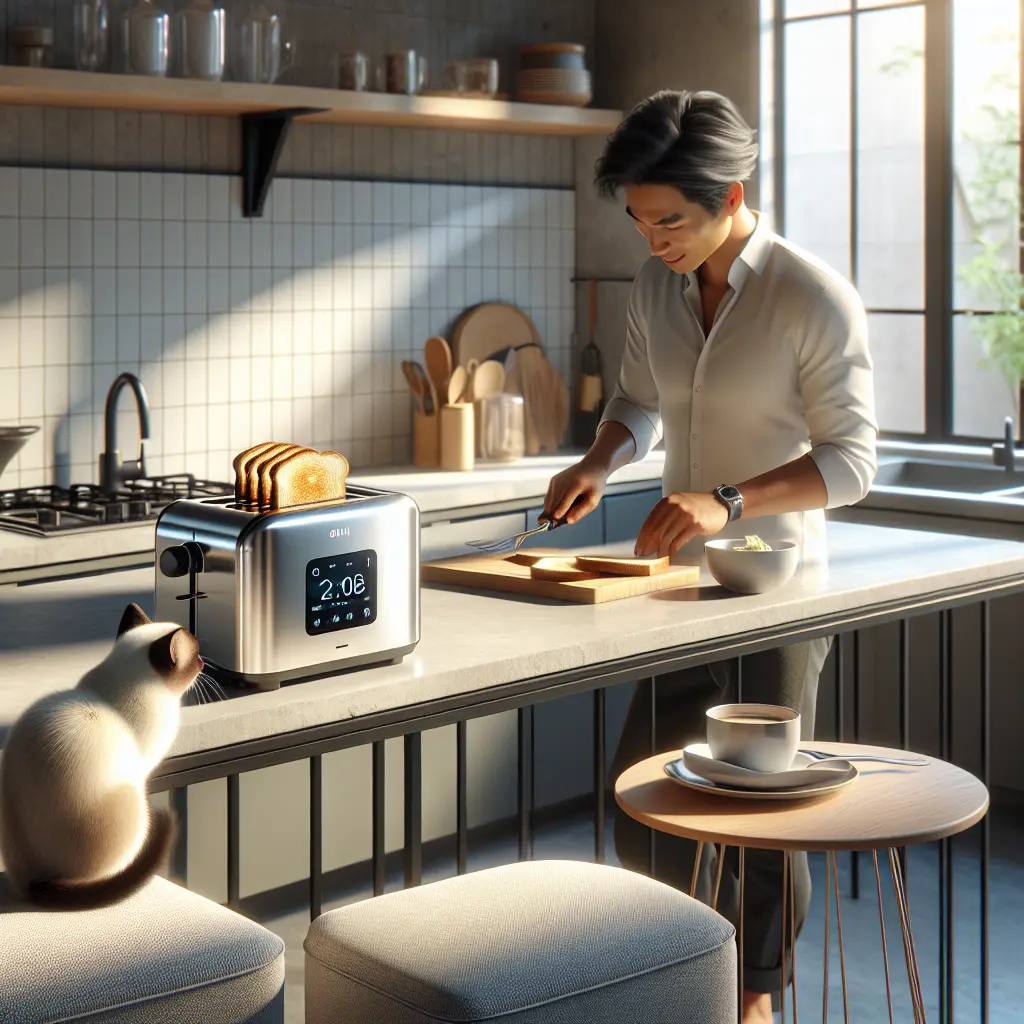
(696,141)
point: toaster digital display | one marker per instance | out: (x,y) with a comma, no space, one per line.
(341,592)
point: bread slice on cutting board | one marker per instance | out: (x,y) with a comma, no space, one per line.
(616,566)
(307,477)
(561,570)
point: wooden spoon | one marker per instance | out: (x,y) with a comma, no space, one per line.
(438,357)
(469,394)
(489,379)
(457,385)
(416,386)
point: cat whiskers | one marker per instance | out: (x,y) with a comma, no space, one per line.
(207,689)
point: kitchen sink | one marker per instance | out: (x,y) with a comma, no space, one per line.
(960,478)
(962,490)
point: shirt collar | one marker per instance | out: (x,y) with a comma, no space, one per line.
(753,256)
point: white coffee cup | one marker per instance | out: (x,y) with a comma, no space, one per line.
(762,737)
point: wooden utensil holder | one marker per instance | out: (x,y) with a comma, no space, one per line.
(457,437)
(426,441)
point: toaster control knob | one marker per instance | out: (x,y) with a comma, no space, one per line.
(181,559)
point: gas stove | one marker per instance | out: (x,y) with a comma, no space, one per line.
(51,511)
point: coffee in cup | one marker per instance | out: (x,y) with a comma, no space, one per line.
(761,737)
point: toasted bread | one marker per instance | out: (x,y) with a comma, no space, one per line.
(252,467)
(241,465)
(305,478)
(266,467)
(623,566)
(560,570)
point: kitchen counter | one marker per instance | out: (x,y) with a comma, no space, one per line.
(440,496)
(476,646)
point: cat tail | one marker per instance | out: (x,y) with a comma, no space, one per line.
(67,894)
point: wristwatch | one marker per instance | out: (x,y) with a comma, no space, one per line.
(731,498)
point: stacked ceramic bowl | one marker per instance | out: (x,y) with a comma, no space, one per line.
(554,73)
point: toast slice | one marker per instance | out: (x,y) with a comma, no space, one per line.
(252,467)
(266,467)
(241,468)
(623,566)
(560,570)
(307,477)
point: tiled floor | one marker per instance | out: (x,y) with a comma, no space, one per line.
(865,973)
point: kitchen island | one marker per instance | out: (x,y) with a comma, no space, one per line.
(483,652)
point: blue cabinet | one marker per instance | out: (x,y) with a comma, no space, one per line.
(624,514)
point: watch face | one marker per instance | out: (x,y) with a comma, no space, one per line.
(729,492)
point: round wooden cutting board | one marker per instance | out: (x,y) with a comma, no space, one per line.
(489,328)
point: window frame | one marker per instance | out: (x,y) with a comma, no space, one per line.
(939,272)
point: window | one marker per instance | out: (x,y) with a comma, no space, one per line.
(988,346)
(854,158)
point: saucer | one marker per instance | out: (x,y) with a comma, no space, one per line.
(698,759)
(825,781)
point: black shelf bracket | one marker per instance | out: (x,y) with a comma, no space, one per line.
(263,137)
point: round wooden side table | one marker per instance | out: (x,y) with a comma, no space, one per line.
(886,808)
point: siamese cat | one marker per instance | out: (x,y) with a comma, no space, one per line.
(76,830)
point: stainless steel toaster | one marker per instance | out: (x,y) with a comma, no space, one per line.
(288,595)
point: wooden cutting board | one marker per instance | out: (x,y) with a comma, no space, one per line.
(488,328)
(490,572)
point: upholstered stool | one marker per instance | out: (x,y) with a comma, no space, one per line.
(162,956)
(532,943)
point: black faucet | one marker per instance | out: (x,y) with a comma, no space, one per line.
(113,471)
(1008,450)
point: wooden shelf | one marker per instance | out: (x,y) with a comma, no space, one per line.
(47,88)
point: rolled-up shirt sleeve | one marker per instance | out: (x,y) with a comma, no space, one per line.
(634,402)
(837,389)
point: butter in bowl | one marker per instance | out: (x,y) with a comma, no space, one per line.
(749,566)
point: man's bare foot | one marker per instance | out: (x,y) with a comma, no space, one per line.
(757,1008)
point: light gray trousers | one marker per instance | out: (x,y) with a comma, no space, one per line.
(787,676)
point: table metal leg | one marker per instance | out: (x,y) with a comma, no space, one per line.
(792,932)
(828,933)
(839,929)
(743,886)
(913,974)
(718,875)
(885,944)
(696,869)
(785,908)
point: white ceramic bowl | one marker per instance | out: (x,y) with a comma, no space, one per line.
(751,572)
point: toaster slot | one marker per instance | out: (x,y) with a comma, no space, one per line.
(179,561)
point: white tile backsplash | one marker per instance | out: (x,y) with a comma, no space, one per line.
(288,326)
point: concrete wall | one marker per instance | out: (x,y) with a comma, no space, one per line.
(639,48)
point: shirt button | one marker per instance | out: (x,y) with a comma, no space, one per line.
(694,437)
(696,465)
(697,389)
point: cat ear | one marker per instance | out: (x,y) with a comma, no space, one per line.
(133,616)
(163,653)
(173,652)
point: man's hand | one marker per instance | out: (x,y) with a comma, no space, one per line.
(579,488)
(677,519)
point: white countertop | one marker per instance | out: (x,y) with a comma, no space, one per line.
(54,632)
(434,491)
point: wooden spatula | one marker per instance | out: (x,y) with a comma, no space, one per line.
(438,358)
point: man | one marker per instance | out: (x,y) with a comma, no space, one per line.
(751,359)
